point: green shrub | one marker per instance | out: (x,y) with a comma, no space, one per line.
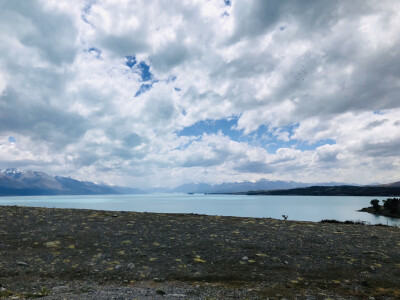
(375,204)
(393,204)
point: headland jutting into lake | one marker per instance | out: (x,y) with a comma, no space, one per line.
(88,254)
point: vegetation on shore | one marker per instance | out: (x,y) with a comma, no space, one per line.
(390,208)
(340,190)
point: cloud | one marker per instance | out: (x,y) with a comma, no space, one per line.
(101,90)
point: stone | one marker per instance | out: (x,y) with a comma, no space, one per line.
(245,258)
(22,263)
(131,266)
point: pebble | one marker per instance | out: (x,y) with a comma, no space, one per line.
(22,263)
(117,267)
(131,266)
(245,258)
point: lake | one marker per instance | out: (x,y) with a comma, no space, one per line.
(300,208)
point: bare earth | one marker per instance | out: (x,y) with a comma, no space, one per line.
(86,254)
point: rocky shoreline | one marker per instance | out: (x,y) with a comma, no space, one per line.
(88,254)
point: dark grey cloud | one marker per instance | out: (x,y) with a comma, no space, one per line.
(39,29)
(39,120)
(374,124)
(254,167)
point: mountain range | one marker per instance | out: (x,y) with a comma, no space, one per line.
(17,182)
(235,187)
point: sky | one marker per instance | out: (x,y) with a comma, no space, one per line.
(160,93)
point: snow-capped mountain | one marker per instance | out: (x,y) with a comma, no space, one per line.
(15,181)
(235,187)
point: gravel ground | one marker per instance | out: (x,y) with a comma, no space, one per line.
(88,254)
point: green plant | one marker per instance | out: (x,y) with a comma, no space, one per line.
(393,204)
(375,204)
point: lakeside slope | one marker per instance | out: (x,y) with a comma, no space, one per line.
(338,190)
(75,254)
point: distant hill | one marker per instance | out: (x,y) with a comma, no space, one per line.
(342,190)
(393,184)
(235,187)
(16,182)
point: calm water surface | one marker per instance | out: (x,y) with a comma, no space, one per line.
(301,208)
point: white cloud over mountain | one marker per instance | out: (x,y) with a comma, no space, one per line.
(101,90)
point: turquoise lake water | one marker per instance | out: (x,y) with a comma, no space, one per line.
(300,208)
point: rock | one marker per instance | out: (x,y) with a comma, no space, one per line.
(52,244)
(131,266)
(245,258)
(160,292)
(22,263)
(117,267)
(115,216)
(286,262)
(156,279)
(372,268)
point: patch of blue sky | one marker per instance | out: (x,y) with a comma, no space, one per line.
(141,68)
(130,61)
(145,71)
(378,112)
(143,88)
(96,52)
(11,139)
(262,137)
(213,127)
(177,89)
(228,2)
